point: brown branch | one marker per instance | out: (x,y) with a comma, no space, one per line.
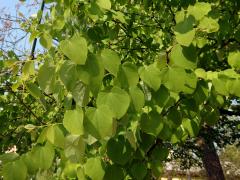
(158,142)
(176,104)
(35,40)
(229,113)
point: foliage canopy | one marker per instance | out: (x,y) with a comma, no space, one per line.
(118,79)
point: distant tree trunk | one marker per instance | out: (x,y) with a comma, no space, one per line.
(188,174)
(210,158)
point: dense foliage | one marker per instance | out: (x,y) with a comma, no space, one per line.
(118,81)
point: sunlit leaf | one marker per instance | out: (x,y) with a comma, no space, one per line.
(116,99)
(75,49)
(73,121)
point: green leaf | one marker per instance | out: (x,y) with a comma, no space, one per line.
(220,86)
(80,94)
(128,75)
(15,170)
(111,61)
(46,40)
(211,75)
(70,170)
(174,118)
(46,77)
(180,80)
(161,96)
(201,42)
(119,16)
(234,87)
(74,148)
(80,173)
(186,38)
(91,73)
(208,25)
(94,168)
(43,136)
(28,69)
(151,123)
(199,10)
(137,98)
(210,115)
(177,135)
(42,157)
(234,60)
(184,31)
(30,127)
(99,121)
(117,100)
(157,168)
(146,141)
(139,170)
(105,4)
(200,73)
(68,75)
(201,93)
(189,108)
(75,49)
(55,136)
(119,150)
(191,126)
(73,121)
(180,16)
(8,157)
(159,154)
(166,132)
(30,162)
(34,90)
(114,172)
(184,57)
(59,23)
(151,75)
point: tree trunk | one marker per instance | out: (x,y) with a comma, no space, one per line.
(188,174)
(210,159)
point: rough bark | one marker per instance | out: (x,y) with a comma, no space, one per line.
(210,159)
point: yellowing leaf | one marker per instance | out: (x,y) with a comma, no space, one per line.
(28,69)
(199,10)
(105,4)
(208,25)
(186,38)
(234,59)
(185,32)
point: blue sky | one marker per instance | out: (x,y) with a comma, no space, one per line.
(9,7)
(11,4)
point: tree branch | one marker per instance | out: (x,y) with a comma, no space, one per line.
(35,40)
(25,105)
(229,113)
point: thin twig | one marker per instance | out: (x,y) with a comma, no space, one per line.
(25,105)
